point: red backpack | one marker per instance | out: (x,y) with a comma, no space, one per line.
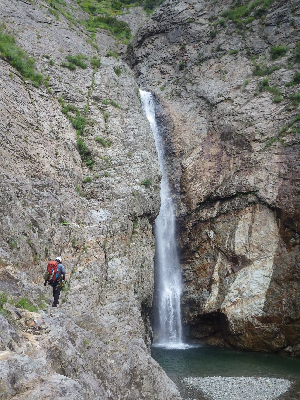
(52,269)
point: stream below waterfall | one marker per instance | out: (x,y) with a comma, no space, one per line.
(211,361)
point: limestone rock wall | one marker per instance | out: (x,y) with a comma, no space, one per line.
(96,344)
(232,135)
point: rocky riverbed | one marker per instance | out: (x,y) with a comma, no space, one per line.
(250,388)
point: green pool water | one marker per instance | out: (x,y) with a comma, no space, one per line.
(214,361)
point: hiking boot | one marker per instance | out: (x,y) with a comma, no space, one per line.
(54,305)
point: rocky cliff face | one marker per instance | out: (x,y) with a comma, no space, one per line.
(226,80)
(92,210)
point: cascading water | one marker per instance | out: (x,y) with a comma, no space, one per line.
(168,330)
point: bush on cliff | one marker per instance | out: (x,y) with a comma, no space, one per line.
(120,29)
(277,52)
(19,59)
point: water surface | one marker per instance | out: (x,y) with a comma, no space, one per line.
(215,361)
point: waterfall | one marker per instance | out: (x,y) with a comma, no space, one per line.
(167,330)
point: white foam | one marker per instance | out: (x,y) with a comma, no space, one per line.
(176,346)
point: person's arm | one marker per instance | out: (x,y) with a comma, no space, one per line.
(62,271)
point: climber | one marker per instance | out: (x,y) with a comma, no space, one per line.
(55,276)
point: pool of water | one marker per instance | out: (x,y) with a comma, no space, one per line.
(213,361)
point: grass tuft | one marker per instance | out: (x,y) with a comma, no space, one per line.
(26,305)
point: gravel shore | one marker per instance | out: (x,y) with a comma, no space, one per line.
(239,388)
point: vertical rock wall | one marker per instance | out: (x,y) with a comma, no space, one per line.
(231,126)
(99,219)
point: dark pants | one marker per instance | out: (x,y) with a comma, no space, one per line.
(56,292)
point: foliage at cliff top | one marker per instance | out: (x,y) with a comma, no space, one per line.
(246,12)
(116,7)
(102,14)
(19,59)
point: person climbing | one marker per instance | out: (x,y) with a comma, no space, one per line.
(54,277)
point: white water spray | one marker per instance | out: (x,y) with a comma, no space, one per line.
(168,333)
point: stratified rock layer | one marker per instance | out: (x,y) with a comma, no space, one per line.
(96,345)
(231,126)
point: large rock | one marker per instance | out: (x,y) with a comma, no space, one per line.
(232,140)
(99,220)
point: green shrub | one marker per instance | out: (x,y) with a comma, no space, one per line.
(296,79)
(242,12)
(87,179)
(212,34)
(78,60)
(75,61)
(53,3)
(147,183)
(26,305)
(19,59)
(12,244)
(106,116)
(3,299)
(79,123)
(119,29)
(181,65)
(297,52)
(112,53)
(103,142)
(296,99)
(249,20)
(78,190)
(67,108)
(116,5)
(112,102)
(264,85)
(233,52)
(236,13)
(118,71)
(54,12)
(95,62)
(151,4)
(85,153)
(258,71)
(70,66)
(277,52)
(278,99)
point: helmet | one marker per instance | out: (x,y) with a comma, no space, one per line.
(58,259)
